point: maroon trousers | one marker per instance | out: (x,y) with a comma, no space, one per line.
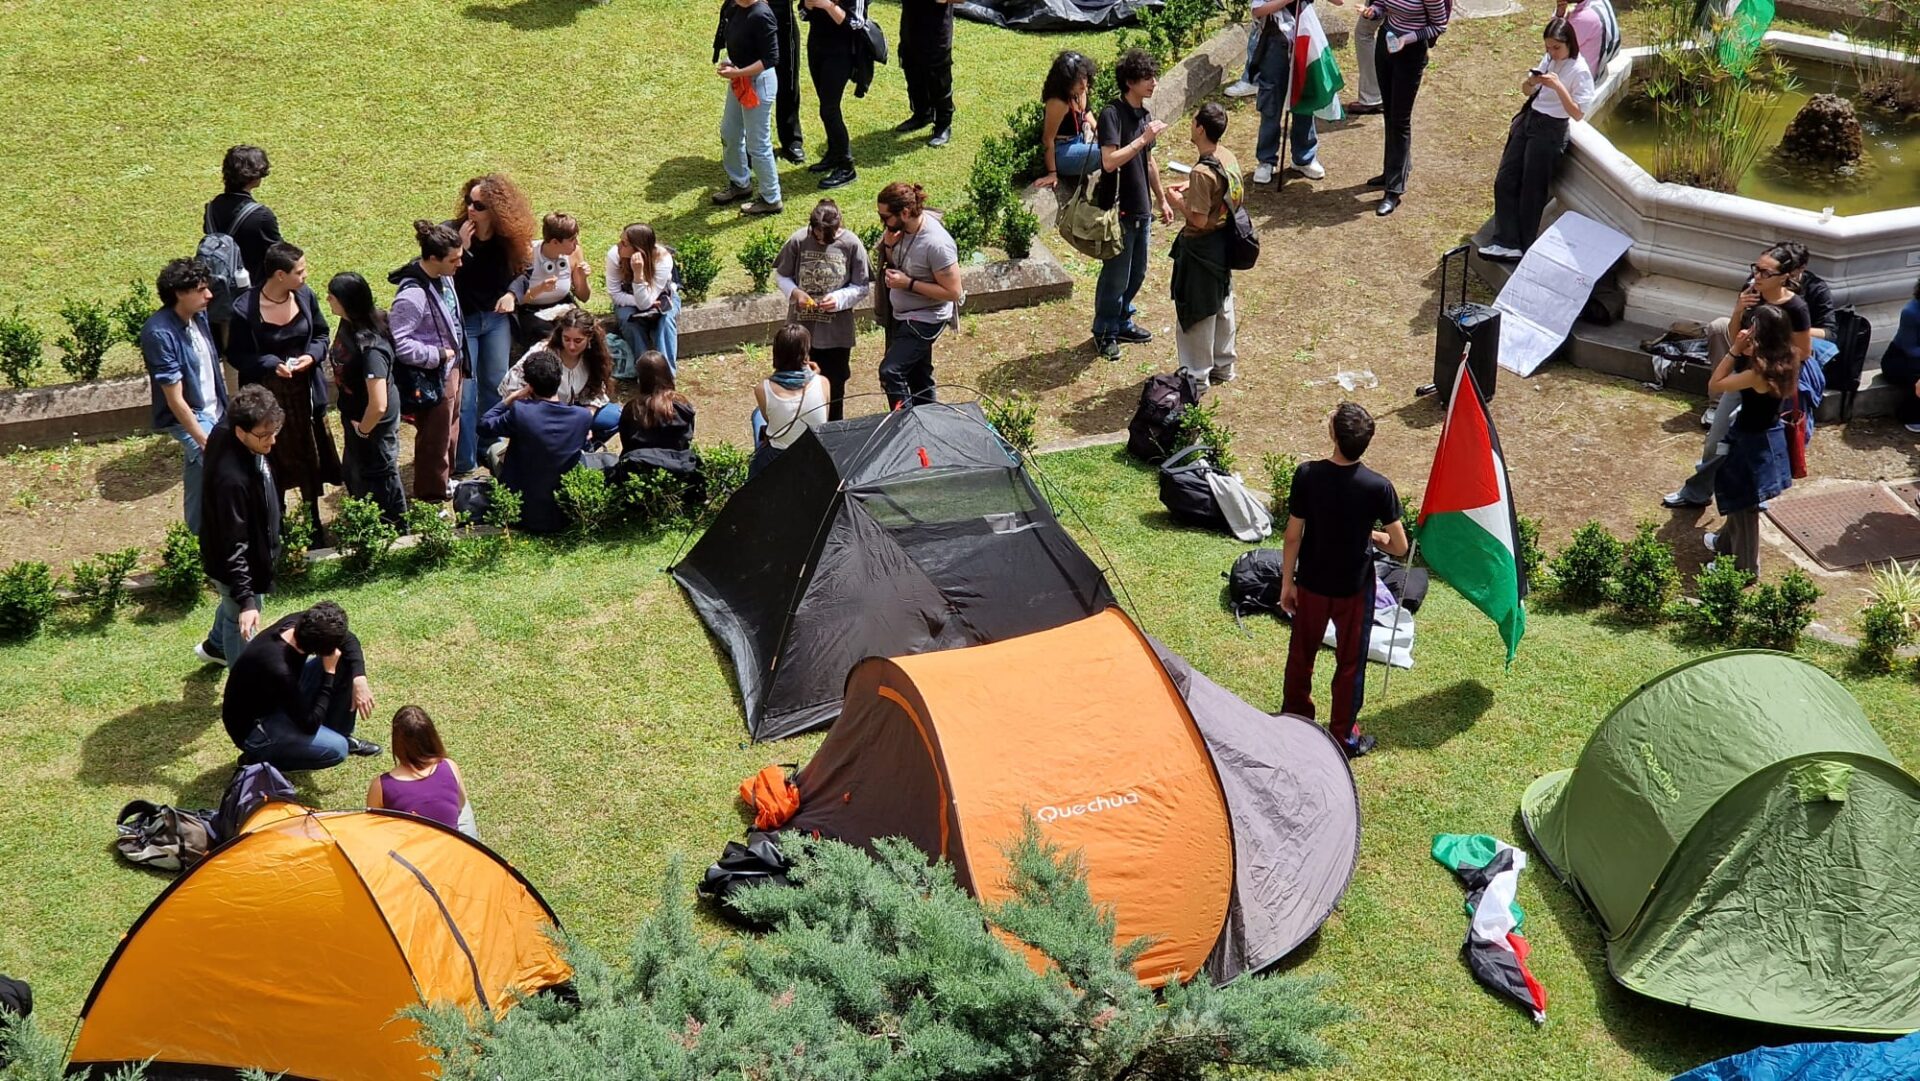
(436,432)
(1352,619)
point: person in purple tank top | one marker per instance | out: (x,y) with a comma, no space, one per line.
(423,780)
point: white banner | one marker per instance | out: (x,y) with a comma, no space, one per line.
(1551,285)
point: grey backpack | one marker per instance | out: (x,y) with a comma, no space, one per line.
(226,272)
(166,838)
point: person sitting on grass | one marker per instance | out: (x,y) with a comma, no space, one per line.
(791,400)
(293,694)
(657,416)
(544,438)
(1326,570)
(423,781)
(586,369)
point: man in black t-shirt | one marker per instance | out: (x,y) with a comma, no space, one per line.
(293,694)
(1127,134)
(1327,570)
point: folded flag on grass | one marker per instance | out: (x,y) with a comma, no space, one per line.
(1316,74)
(1495,950)
(1467,525)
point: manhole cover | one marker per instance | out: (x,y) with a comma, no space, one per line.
(1851,528)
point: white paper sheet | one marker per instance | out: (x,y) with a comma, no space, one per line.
(1551,285)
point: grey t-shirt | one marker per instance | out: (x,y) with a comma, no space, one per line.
(921,255)
(819,270)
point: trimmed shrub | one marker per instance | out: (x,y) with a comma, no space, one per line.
(870,236)
(1015,417)
(1279,467)
(432,532)
(1720,586)
(503,507)
(758,255)
(990,183)
(27,598)
(100,583)
(586,499)
(1883,630)
(179,576)
(296,540)
(90,333)
(725,468)
(1774,613)
(968,229)
(1584,569)
(1533,558)
(1410,514)
(364,536)
(22,349)
(1201,425)
(132,310)
(656,498)
(1023,127)
(1018,227)
(1647,578)
(699,266)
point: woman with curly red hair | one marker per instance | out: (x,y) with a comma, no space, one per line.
(497,233)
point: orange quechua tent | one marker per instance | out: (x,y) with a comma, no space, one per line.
(293,947)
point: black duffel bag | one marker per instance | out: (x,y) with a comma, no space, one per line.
(1184,490)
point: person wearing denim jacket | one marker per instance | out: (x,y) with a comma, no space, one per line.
(183,371)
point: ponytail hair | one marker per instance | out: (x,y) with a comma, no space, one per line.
(903,198)
(436,239)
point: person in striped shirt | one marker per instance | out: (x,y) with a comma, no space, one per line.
(1408,28)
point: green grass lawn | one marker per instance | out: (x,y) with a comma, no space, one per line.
(600,732)
(375,111)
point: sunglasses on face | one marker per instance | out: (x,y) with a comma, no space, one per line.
(475,204)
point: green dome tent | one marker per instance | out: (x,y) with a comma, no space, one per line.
(1748,845)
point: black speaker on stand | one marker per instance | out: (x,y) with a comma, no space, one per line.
(1462,325)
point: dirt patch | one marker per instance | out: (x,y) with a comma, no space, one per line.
(1337,289)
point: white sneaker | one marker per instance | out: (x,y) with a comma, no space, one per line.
(1500,251)
(1914,428)
(1312,170)
(1709,538)
(1241,89)
(1263,173)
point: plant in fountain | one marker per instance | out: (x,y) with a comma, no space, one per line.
(1886,68)
(1711,90)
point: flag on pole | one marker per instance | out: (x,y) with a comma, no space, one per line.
(1467,527)
(1738,26)
(1316,74)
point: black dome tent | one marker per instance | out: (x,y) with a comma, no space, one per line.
(879,536)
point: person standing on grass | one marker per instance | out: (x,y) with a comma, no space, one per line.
(293,695)
(1761,368)
(495,223)
(926,58)
(544,438)
(189,393)
(1558,89)
(240,531)
(277,339)
(1127,134)
(235,211)
(1408,29)
(922,276)
(423,781)
(822,271)
(428,335)
(1273,75)
(749,33)
(362,366)
(1334,512)
(831,53)
(1202,281)
(640,283)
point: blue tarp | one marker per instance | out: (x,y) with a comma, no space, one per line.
(1892,1060)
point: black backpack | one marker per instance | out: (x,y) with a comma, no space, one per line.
(755,863)
(226,273)
(1253,583)
(1150,434)
(1184,490)
(1243,244)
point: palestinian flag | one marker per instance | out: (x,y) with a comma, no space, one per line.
(1316,74)
(1467,528)
(1495,950)
(1738,26)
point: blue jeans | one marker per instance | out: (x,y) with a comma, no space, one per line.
(225,632)
(663,334)
(490,346)
(1076,158)
(746,137)
(191,472)
(1120,278)
(606,423)
(1273,78)
(276,739)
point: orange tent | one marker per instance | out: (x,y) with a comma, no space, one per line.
(293,946)
(1080,728)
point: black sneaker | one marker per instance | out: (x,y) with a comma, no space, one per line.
(1134,334)
(362,748)
(795,153)
(824,165)
(1109,347)
(839,178)
(941,137)
(1359,746)
(209,653)
(913,123)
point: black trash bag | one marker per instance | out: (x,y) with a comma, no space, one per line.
(741,865)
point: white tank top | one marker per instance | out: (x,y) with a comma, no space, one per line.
(788,417)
